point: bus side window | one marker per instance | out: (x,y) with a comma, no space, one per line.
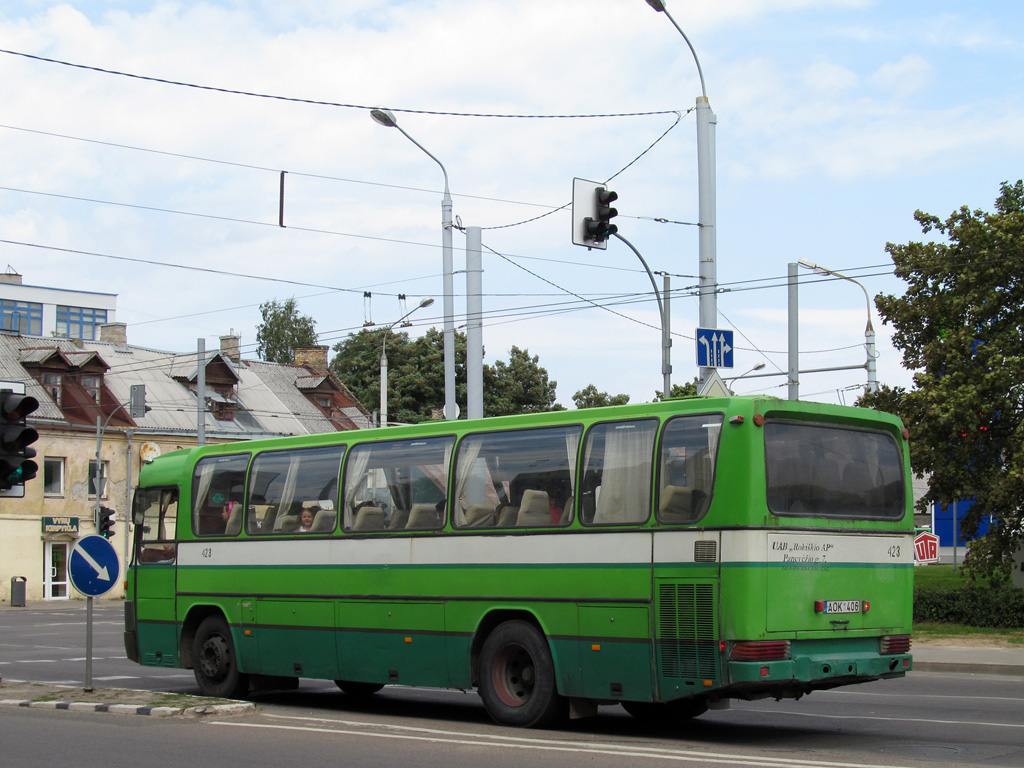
(159,508)
(398,485)
(284,483)
(686,475)
(218,483)
(617,463)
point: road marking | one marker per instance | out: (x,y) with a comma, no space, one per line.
(512,742)
(928,720)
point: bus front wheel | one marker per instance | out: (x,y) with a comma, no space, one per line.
(214,661)
(517,677)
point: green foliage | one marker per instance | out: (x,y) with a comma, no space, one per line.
(416,376)
(971,606)
(689,389)
(959,327)
(589,397)
(282,330)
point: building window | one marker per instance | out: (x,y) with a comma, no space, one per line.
(91,384)
(24,317)
(54,383)
(80,322)
(53,476)
(104,467)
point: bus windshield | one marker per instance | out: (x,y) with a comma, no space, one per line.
(827,471)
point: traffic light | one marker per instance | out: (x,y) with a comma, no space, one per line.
(592,214)
(599,228)
(105,525)
(16,465)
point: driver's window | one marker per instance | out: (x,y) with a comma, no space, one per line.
(157,508)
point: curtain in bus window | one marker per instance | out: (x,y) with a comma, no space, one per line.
(467,469)
(355,473)
(624,491)
(572,448)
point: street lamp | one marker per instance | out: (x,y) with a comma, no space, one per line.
(869,330)
(387,119)
(707,215)
(426,301)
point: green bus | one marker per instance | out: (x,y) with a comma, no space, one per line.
(668,556)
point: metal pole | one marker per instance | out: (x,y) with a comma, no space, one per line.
(450,406)
(474,324)
(661,311)
(384,381)
(794,333)
(666,336)
(99,472)
(707,244)
(201,392)
(88,644)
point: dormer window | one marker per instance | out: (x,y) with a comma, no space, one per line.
(54,383)
(92,384)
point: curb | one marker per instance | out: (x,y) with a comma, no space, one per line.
(961,668)
(240,708)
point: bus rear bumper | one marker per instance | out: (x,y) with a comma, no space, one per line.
(820,670)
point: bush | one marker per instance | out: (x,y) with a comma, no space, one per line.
(1001,608)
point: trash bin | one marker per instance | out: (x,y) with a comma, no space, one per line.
(18,591)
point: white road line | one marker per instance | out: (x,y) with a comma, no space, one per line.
(927,720)
(510,742)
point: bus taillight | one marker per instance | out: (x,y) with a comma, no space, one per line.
(760,650)
(892,644)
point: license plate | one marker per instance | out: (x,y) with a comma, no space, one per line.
(842,606)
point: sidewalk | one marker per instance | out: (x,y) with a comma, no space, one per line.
(957,659)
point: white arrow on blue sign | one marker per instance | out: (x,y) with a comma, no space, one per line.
(94,566)
(714,348)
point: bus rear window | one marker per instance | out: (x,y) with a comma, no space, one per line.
(829,471)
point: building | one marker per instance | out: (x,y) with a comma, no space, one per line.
(33,310)
(83,388)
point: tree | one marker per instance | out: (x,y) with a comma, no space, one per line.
(959,327)
(416,376)
(282,330)
(589,397)
(689,389)
(519,386)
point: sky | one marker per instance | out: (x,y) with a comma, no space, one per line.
(142,147)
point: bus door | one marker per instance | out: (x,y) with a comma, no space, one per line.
(150,610)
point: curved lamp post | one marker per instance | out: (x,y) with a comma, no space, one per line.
(426,301)
(707,207)
(869,331)
(387,119)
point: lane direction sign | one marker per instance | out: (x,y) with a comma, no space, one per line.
(94,566)
(714,348)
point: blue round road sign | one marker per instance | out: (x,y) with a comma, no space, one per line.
(94,566)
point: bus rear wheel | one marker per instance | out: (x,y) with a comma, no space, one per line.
(214,661)
(517,677)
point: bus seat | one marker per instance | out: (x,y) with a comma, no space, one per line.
(422,516)
(369,519)
(325,520)
(234,524)
(399,519)
(566,517)
(535,509)
(286,523)
(507,517)
(479,516)
(676,504)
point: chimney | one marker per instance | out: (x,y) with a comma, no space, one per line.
(313,358)
(230,346)
(10,276)
(115,333)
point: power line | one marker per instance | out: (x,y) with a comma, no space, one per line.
(316,102)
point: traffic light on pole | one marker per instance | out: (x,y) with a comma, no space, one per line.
(16,437)
(600,228)
(592,214)
(106,523)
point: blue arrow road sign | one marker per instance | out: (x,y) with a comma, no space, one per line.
(714,348)
(94,566)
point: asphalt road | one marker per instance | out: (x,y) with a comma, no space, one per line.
(926,719)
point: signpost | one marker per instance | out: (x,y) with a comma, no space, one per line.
(93,569)
(714,348)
